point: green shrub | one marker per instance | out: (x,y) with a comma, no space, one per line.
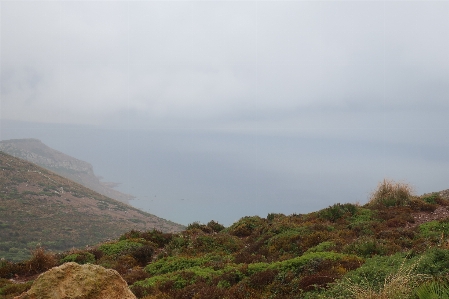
(216,243)
(322,247)
(120,247)
(273,216)
(434,262)
(376,269)
(399,284)
(80,258)
(172,264)
(215,226)
(143,254)
(199,226)
(363,216)
(154,236)
(337,211)
(435,231)
(298,264)
(16,289)
(287,241)
(366,247)
(431,198)
(180,279)
(246,226)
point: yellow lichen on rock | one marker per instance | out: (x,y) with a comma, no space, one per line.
(71,280)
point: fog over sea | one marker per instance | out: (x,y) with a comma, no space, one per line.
(222,109)
(188,175)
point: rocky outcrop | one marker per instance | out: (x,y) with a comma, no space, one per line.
(72,280)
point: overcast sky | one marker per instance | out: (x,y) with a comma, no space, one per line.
(344,73)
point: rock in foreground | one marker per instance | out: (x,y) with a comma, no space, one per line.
(72,280)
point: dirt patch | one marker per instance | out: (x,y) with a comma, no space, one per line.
(441,212)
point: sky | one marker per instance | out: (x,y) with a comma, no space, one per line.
(222,109)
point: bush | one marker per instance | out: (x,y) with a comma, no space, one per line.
(134,275)
(12,289)
(143,255)
(366,247)
(154,236)
(322,247)
(173,264)
(419,204)
(202,227)
(337,211)
(397,285)
(287,241)
(40,261)
(431,198)
(9,269)
(246,226)
(120,247)
(390,193)
(434,230)
(260,280)
(434,262)
(215,226)
(80,258)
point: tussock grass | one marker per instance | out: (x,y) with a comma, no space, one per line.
(390,193)
(398,285)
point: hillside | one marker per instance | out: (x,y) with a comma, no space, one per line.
(38,206)
(34,151)
(396,246)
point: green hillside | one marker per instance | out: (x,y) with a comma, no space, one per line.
(396,246)
(40,208)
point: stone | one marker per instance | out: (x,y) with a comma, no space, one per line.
(71,280)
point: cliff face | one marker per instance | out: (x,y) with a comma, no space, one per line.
(34,151)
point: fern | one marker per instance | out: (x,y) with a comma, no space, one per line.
(433,290)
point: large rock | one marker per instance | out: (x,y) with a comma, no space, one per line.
(71,280)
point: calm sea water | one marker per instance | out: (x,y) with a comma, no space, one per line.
(200,175)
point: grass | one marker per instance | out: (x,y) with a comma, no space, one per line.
(344,251)
(398,285)
(390,193)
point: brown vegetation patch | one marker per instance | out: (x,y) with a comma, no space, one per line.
(422,217)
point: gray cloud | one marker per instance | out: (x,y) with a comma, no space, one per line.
(177,61)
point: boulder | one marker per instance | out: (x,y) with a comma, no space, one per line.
(71,280)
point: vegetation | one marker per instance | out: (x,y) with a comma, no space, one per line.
(379,250)
(390,193)
(41,209)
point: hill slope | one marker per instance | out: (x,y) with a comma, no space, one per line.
(34,151)
(41,207)
(396,246)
